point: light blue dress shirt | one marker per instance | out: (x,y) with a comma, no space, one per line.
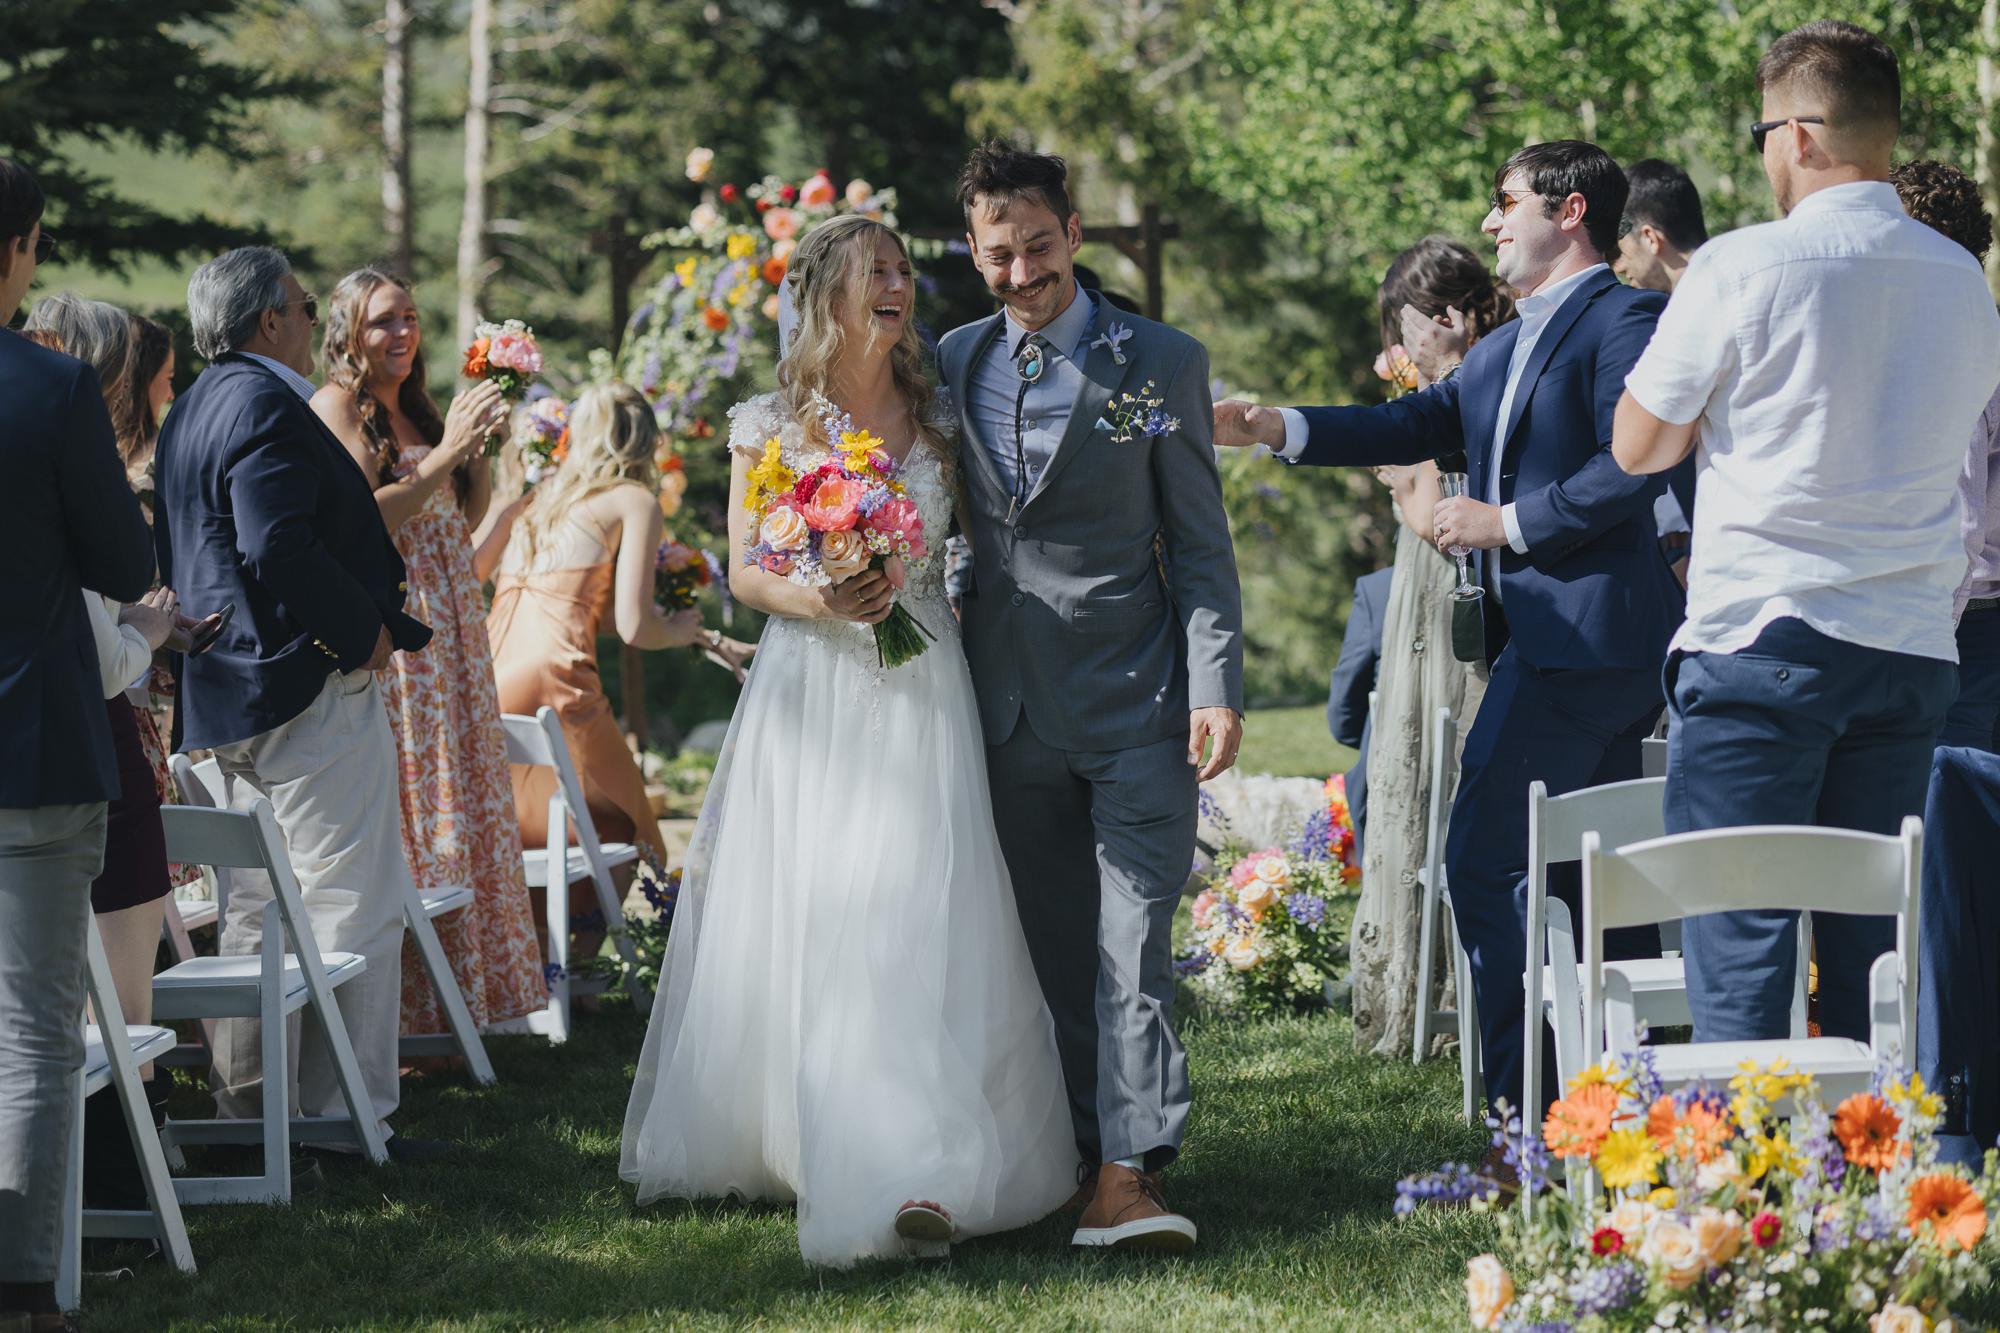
(996,385)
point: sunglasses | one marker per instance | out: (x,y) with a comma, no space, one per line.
(311,304)
(45,246)
(1505,201)
(1764,127)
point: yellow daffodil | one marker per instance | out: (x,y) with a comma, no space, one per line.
(769,477)
(1768,1153)
(740,245)
(1662,1198)
(857,449)
(685,270)
(1914,1098)
(1602,1072)
(1628,1157)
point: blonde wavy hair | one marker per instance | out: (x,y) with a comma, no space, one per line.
(832,270)
(612,436)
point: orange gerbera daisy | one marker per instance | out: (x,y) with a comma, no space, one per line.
(475,358)
(1698,1133)
(1866,1127)
(1577,1124)
(1952,1207)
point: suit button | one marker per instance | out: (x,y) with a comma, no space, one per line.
(402,587)
(1019,598)
(1020,529)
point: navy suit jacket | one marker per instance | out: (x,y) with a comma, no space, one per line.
(1592,591)
(257,503)
(1360,657)
(71,522)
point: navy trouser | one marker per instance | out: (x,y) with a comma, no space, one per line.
(1958,996)
(1570,729)
(1974,718)
(1796,728)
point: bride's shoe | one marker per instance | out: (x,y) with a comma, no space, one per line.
(925,1228)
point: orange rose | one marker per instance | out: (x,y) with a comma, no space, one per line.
(774,270)
(714,318)
(1953,1209)
(475,358)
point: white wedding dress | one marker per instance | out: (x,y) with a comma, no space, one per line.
(848,1017)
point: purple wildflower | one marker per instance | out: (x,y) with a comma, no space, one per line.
(1305,909)
(552,973)
(1878,1220)
(1612,1287)
(1646,1077)
(1454,1182)
(1832,1232)
(1194,964)
(1314,843)
(1525,1152)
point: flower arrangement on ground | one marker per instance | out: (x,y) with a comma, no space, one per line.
(1261,941)
(647,930)
(849,514)
(1715,1213)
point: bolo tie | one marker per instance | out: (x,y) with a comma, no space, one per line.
(1029,362)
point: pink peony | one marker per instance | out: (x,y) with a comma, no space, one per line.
(1242,872)
(835,505)
(899,520)
(781,224)
(1202,909)
(818,192)
(514,351)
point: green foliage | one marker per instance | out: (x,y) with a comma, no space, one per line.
(137,72)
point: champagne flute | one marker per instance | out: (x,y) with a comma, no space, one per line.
(1452,484)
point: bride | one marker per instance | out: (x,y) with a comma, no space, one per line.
(848,1017)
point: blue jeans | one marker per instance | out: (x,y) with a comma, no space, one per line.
(1974,719)
(1797,728)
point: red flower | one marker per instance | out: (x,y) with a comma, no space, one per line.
(728,193)
(715,319)
(1765,1228)
(807,487)
(764,205)
(1607,1240)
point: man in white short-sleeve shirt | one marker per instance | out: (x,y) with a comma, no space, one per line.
(1835,363)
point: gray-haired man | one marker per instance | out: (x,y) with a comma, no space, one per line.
(1103,630)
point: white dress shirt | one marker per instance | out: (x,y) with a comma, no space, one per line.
(296,382)
(1535,312)
(1979,487)
(1836,361)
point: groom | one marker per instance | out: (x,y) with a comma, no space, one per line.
(1105,639)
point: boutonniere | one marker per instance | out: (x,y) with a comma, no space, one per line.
(1137,416)
(1114,339)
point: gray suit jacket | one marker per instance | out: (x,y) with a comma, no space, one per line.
(1108,608)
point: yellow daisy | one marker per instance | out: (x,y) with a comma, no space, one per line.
(1628,1157)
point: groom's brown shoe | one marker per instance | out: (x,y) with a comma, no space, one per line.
(1086,1187)
(1128,1212)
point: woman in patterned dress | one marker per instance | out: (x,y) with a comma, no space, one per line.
(432,484)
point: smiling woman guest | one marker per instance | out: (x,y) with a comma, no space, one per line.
(432,485)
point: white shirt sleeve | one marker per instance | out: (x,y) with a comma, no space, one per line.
(1513,527)
(123,655)
(1692,351)
(1295,433)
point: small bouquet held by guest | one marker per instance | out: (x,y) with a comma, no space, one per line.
(544,437)
(679,574)
(851,513)
(508,355)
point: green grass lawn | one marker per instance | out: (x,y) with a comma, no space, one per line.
(1292,1154)
(1291,743)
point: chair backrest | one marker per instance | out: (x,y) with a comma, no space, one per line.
(539,740)
(1769,867)
(1618,812)
(199,784)
(227,839)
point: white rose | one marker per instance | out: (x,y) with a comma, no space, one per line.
(700,160)
(1718,1235)
(1861,1296)
(1244,952)
(1895,1318)
(1256,898)
(1671,1250)
(842,554)
(1719,1172)
(703,218)
(1631,1219)
(1274,870)
(1488,1291)
(785,530)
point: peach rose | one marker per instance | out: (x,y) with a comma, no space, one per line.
(700,161)
(703,217)
(1631,1218)
(843,554)
(1671,1250)
(1896,1318)
(1272,869)
(781,224)
(859,192)
(1718,1235)
(1488,1291)
(785,529)
(1256,898)
(817,192)
(1244,952)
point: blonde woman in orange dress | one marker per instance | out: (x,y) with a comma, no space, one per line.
(432,484)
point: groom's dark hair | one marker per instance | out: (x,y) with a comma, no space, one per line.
(1000,173)
(21,201)
(1563,167)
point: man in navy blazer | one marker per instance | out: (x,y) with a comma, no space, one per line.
(1579,606)
(259,507)
(72,524)
(1353,680)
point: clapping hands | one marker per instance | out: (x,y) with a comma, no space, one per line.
(1435,344)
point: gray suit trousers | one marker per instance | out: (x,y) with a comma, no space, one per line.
(48,857)
(1098,844)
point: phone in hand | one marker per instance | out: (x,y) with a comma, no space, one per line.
(210,629)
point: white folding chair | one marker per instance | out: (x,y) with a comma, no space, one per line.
(1436,904)
(539,741)
(201,785)
(1769,867)
(287,976)
(1619,812)
(112,1055)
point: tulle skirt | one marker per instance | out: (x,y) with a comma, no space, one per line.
(848,1017)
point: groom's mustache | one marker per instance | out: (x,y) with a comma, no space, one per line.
(1028,289)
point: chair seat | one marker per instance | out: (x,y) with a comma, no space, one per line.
(535,861)
(178,992)
(1835,1062)
(196,914)
(148,1044)
(441,901)
(1659,988)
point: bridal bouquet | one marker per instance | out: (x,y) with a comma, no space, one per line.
(849,514)
(544,436)
(1730,1210)
(679,574)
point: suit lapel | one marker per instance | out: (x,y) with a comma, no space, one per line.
(1101,377)
(972,441)
(1553,333)
(1480,411)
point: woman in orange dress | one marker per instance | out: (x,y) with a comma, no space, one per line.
(432,485)
(574,556)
